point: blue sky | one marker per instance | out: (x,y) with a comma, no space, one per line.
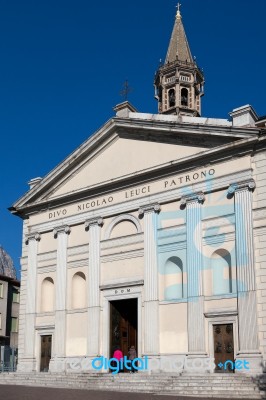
(63,64)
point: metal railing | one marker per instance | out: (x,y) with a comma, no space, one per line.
(8,359)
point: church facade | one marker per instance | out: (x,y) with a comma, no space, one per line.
(152,234)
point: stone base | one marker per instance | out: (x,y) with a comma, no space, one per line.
(85,364)
(57,364)
(199,363)
(249,363)
(27,365)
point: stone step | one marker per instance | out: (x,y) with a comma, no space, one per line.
(224,385)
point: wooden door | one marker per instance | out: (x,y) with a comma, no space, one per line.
(46,349)
(123,325)
(223,347)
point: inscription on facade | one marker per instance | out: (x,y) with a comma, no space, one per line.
(137,192)
(121,291)
(188,178)
(155,187)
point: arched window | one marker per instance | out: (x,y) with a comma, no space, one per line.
(47,295)
(171,97)
(184,97)
(173,279)
(79,290)
(221,272)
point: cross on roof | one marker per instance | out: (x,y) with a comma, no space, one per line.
(126,90)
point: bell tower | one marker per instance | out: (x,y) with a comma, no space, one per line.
(179,83)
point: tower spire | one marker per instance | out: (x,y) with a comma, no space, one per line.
(178,46)
(179,82)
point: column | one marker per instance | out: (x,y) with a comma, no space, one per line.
(28,362)
(151,295)
(246,279)
(196,335)
(57,362)
(93,285)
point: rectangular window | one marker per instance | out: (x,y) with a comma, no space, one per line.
(14,324)
(15,297)
(0,321)
(1,290)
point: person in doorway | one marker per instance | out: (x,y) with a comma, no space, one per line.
(118,355)
(132,354)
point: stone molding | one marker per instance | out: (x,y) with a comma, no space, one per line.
(33,236)
(155,207)
(120,218)
(94,221)
(118,285)
(122,241)
(61,229)
(122,256)
(166,248)
(50,255)
(243,185)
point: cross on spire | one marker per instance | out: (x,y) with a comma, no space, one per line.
(178,14)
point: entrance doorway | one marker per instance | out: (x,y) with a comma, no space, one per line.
(123,325)
(46,349)
(223,347)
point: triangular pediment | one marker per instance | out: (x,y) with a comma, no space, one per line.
(123,150)
(123,157)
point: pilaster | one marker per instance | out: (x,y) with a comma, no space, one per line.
(28,362)
(246,280)
(151,297)
(196,336)
(93,285)
(57,362)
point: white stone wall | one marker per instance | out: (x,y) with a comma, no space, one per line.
(259,207)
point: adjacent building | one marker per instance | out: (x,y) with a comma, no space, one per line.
(151,233)
(9,311)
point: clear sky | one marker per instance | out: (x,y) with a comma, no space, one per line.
(63,63)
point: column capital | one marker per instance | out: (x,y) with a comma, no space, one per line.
(193,198)
(94,221)
(33,236)
(243,185)
(155,207)
(61,229)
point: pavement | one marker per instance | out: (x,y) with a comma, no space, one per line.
(8,392)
